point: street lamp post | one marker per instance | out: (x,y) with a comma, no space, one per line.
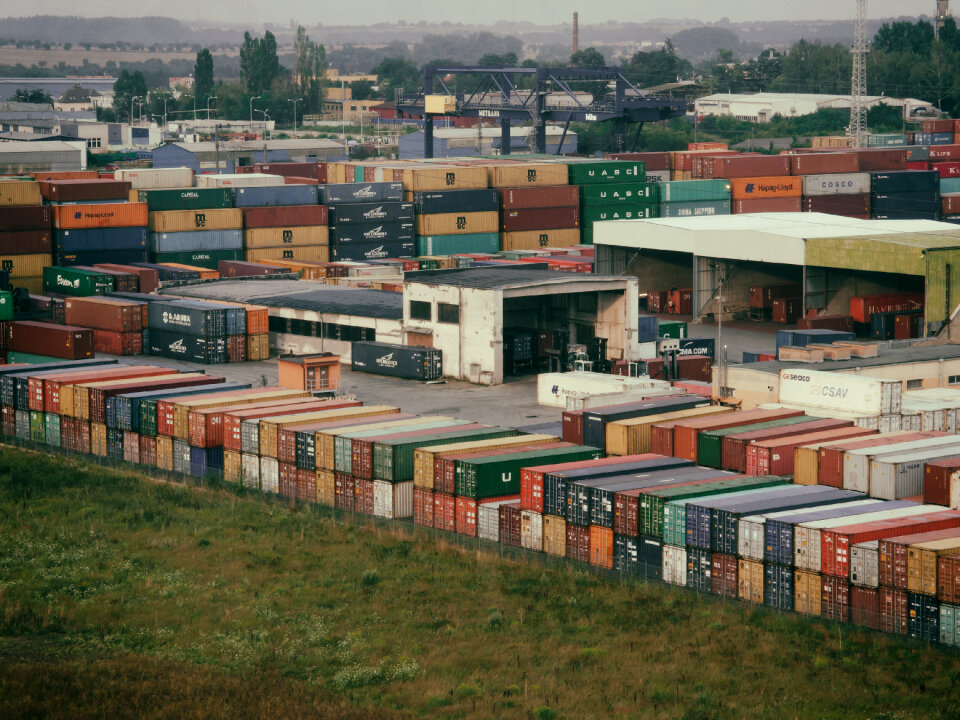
(266,119)
(135,97)
(255,97)
(212,97)
(295,101)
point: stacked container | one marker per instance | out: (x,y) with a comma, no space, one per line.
(192,226)
(25,239)
(188,330)
(449,221)
(837,194)
(694,198)
(538,208)
(905,195)
(357,239)
(283,222)
(616,201)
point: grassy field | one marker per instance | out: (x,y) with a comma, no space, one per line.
(124,597)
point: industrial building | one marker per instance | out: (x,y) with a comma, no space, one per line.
(833,257)
(24,157)
(763,107)
(200,156)
(468,142)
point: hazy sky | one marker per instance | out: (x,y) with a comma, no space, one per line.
(488,11)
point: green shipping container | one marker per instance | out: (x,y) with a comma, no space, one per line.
(17,357)
(52,428)
(698,208)
(186,199)
(617,212)
(651,504)
(38,431)
(343,444)
(393,461)
(197,258)
(498,475)
(606,171)
(675,514)
(148,418)
(635,192)
(694,191)
(710,444)
(78,283)
(673,329)
(6,305)
(455,244)
(949,186)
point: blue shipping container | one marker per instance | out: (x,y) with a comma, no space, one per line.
(122,238)
(197,240)
(275,195)
(93,257)
(647,328)
(206,461)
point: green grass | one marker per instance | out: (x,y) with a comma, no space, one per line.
(124,597)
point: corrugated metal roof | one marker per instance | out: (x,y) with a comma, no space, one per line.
(893,356)
(33,147)
(301,295)
(243,145)
(500,278)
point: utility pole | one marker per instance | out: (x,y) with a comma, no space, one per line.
(294,115)
(857,130)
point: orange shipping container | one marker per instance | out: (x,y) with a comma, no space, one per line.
(601,546)
(766,187)
(70,217)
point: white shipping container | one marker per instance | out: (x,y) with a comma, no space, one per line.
(750,537)
(250,436)
(247,180)
(153,178)
(836,184)
(955,491)
(850,393)
(889,423)
(911,420)
(531,530)
(269,475)
(553,389)
(251,471)
(893,477)
(674,565)
(856,463)
(658,176)
(488,520)
(865,564)
(181,456)
(806,537)
(392,500)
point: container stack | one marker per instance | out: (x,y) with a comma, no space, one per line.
(359,239)
(447,221)
(192,226)
(117,324)
(97,231)
(188,330)
(614,199)
(905,195)
(283,222)
(694,198)
(538,208)
(25,236)
(837,194)
(758,184)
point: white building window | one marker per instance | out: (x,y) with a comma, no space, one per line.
(93,142)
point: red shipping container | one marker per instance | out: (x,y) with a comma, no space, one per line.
(893,613)
(948,578)
(548,196)
(835,543)
(787,310)
(695,367)
(875,159)
(44,390)
(701,165)
(117,343)
(103,314)
(838,204)
(510,523)
(892,555)
(9,420)
(835,599)
(944,152)
(100,215)
(830,468)
(655,368)
(571,429)
(950,204)
(748,166)
(652,160)
(365,492)
(239,268)
(907,326)
(843,323)
(131,447)
(445,512)
(762,296)
(284,216)
(918,165)
(148,277)
(939,125)
(864,606)
(578,543)
(863,306)
(25,242)
(733,448)
(724,575)
(423,507)
(148,450)
(61,191)
(678,301)
(60,341)
(944,169)
(287,480)
(287,169)
(307,485)
(685,432)
(540,218)
(236,348)
(822,163)
(936,480)
(25,217)
(657,301)
(210,427)
(531,478)
(466,516)
(775,457)
(661,438)
(344,491)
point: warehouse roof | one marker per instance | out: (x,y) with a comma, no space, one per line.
(893,356)
(301,295)
(246,145)
(505,277)
(33,147)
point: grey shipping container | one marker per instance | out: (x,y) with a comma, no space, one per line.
(198,240)
(183,317)
(404,361)
(360,192)
(274,195)
(194,348)
(595,420)
(446,201)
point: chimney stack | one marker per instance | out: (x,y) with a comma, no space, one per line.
(576,33)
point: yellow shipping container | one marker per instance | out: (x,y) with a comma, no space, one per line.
(536,239)
(33,285)
(302,236)
(632,436)
(423,458)
(258,347)
(181,410)
(446,177)
(337,173)
(26,266)
(458,223)
(270,426)
(232,467)
(527,174)
(164,452)
(325,487)
(98,439)
(750,581)
(806,464)
(806,592)
(681,175)
(922,563)
(554,535)
(20,192)
(190,220)
(313,253)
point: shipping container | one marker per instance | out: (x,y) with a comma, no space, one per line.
(66,341)
(858,462)
(145,179)
(274,195)
(686,433)
(471,200)
(415,363)
(102,215)
(595,420)
(776,456)
(186,198)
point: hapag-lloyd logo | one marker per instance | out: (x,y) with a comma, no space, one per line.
(387,361)
(767,187)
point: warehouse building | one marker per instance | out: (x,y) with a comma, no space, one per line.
(834,258)
(465,142)
(763,107)
(202,156)
(24,157)
(464,313)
